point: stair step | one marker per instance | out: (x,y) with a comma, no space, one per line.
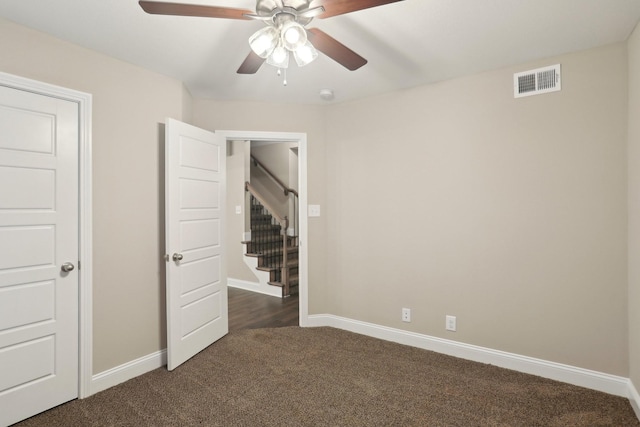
(265,227)
(272,252)
(293,289)
(262,215)
(280,284)
(270,238)
(291,264)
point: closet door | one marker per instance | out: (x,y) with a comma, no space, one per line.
(38,253)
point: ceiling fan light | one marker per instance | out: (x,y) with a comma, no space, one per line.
(279,57)
(305,54)
(293,35)
(264,41)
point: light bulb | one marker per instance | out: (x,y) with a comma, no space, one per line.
(263,42)
(305,54)
(292,35)
(279,57)
(279,54)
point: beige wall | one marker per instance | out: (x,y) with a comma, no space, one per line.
(634,206)
(451,198)
(237,175)
(276,158)
(129,103)
(455,198)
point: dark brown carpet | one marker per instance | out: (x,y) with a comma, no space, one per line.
(328,377)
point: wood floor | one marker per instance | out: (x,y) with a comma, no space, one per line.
(251,310)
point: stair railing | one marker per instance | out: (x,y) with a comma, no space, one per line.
(287,190)
(284,224)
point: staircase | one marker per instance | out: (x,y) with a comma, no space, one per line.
(276,252)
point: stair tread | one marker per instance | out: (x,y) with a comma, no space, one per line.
(272,252)
(276,251)
(290,264)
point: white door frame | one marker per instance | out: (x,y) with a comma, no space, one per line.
(303,255)
(85,285)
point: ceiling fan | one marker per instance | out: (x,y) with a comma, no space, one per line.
(284,34)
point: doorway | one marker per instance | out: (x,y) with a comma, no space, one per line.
(300,139)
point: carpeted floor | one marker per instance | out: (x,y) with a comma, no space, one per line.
(328,377)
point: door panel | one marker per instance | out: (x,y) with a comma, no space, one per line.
(36,189)
(38,233)
(196,283)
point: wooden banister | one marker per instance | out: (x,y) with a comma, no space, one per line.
(284,222)
(286,189)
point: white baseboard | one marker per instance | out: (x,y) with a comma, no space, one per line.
(594,380)
(273,291)
(127,371)
(634,398)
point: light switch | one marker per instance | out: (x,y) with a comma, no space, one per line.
(238,209)
(314,210)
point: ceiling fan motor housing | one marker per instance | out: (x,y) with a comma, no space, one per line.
(272,8)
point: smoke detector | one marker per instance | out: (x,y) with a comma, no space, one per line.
(326,94)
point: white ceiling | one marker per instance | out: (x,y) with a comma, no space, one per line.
(408,43)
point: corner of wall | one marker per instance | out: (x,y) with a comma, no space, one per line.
(633,206)
(634,399)
(187,105)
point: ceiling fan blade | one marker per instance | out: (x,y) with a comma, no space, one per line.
(258,17)
(251,64)
(335,50)
(340,7)
(181,9)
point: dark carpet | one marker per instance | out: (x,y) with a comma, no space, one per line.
(328,377)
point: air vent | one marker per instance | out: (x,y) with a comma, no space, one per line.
(536,82)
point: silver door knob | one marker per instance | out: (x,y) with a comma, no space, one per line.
(177,257)
(67,267)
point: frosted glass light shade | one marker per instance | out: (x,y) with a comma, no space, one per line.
(264,41)
(279,57)
(305,54)
(293,35)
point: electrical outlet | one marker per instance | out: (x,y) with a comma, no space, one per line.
(406,315)
(450,324)
(239,209)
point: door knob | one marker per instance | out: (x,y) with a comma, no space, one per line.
(67,267)
(177,257)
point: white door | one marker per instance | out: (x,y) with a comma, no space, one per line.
(195,179)
(38,235)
